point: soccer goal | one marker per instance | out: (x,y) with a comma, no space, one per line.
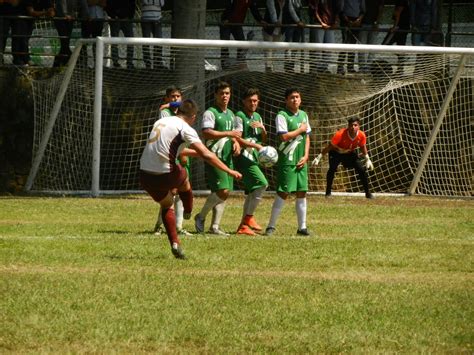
(416,106)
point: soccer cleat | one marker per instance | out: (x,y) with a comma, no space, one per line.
(245,229)
(303,231)
(217,231)
(199,223)
(158,230)
(184,232)
(252,223)
(369,196)
(269,230)
(177,251)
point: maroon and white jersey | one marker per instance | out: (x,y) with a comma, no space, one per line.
(170,135)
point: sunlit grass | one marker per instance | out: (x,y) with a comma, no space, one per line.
(87,275)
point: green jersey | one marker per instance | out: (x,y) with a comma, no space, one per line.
(253,135)
(214,118)
(290,152)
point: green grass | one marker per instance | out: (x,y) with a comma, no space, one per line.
(87,275)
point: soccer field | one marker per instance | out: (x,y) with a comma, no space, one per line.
(86,275)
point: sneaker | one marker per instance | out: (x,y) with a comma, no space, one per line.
(199,223)
(245,229)
(217,231)
(303,231)
(269,230)
(158,229)
(177,251)
(184,232)
(252,223)
(369,196)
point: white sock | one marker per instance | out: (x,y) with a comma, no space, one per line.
(211,201)
(254,199)
(300,206)
(217,213)
(276,209)
(178,210)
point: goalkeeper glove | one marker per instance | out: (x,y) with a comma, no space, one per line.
(316,160)
(368,163)
(175,104)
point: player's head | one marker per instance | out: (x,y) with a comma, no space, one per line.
(251,99)
(188,110)
(293,99)
(222,94)
(173,94)
(353,124)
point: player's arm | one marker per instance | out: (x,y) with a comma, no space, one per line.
(263,133)
(293,134)
(209,133)
(212,159)
(301,163)
(365,154)
(247,144)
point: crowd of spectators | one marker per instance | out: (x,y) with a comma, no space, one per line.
(281,20)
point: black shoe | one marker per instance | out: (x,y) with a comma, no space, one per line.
(269,230)
(369,196)
(328,195)
(177,251)
(303,231)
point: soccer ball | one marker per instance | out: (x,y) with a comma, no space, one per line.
(267,156)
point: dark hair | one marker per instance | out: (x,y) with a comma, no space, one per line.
(221,85)
(290,91)
(353,119)
(188,108)
(172,89)
(250,92)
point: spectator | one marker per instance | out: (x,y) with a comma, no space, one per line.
(369,30)
(293,29)
(35,9)
(424,21)
(93,26)
(342,150)
(324,13)
(67,11)
(399,31)
(121,13)
(5,26)
(231,24)
(351,18)
(151,27)
(274,16)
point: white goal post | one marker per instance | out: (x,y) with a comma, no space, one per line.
(416,106)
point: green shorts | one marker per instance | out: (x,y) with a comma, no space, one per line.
(218,180)
(252,176)
(289,179)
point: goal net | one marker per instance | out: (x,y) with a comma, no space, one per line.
(416,105)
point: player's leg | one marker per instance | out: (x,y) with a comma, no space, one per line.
(362,172)
(218,211)
(334,160)
(169,221)
(254,181)
(286,183)
(301,203)
(217,180)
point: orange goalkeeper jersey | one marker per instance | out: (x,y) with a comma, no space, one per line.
(343,140)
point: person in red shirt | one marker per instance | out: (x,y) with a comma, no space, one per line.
(342,150)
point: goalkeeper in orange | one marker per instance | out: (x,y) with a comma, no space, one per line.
(342,150)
